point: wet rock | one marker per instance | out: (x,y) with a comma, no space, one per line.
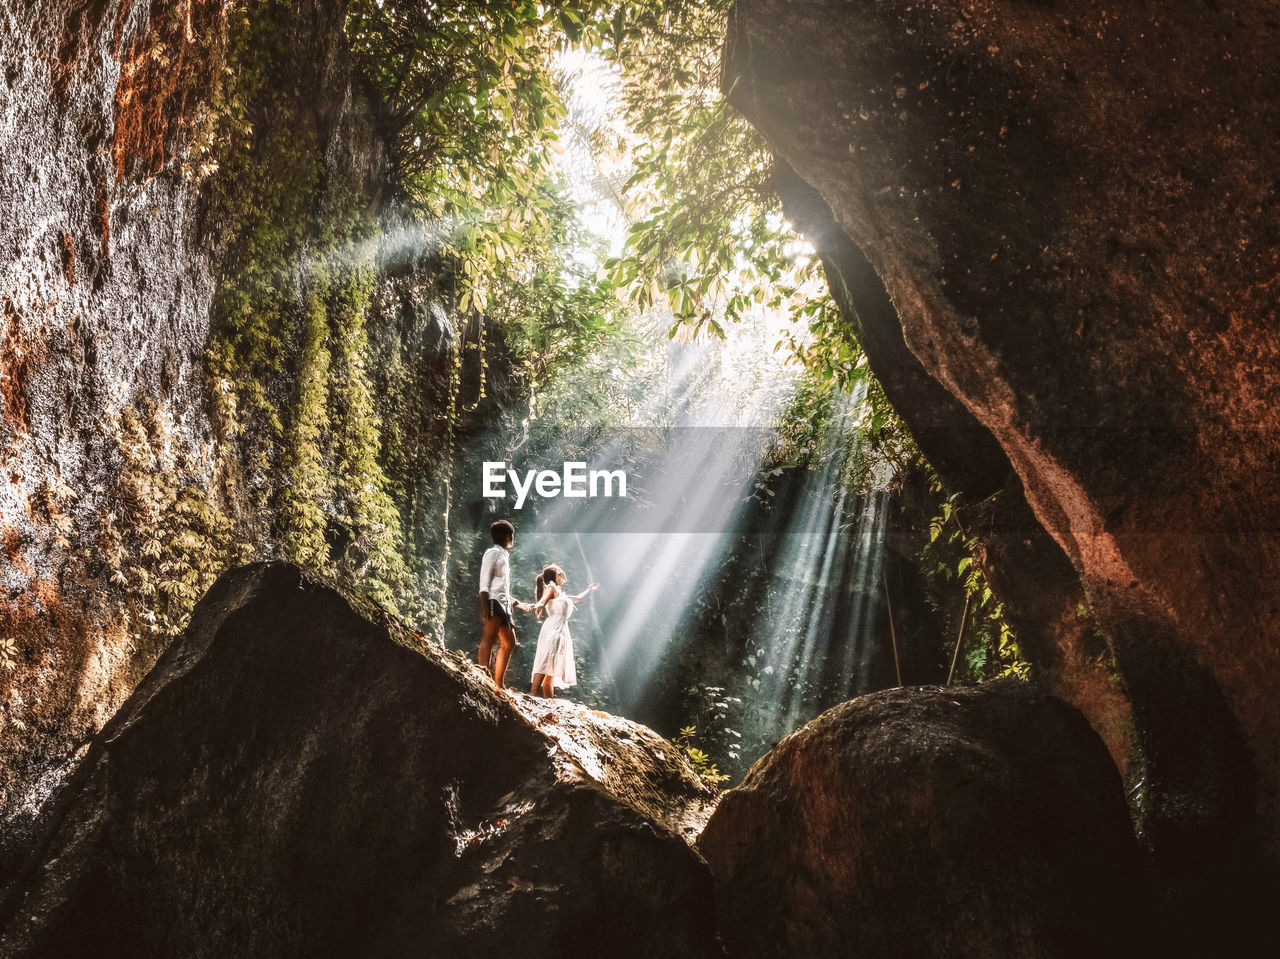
(301,775)
(122,244)
(923,822)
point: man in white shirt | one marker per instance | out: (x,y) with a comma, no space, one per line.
(495,603)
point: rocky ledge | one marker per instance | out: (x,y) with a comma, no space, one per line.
(303,775)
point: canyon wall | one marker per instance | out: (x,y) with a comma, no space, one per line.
(106,294)
(1073,212)
(216,343)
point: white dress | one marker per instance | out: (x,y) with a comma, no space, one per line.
(555,646)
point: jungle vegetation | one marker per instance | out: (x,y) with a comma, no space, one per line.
(489,142)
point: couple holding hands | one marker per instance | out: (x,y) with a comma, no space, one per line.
(553,662)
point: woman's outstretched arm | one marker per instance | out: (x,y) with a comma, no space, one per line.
(583,595)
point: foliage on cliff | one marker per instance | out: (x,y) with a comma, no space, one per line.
(336,436)
(291,388)
(338,424)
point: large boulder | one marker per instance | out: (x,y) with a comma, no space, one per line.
(302,775)
(929,822)
(1072,209)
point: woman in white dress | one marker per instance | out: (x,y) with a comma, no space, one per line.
(553,663)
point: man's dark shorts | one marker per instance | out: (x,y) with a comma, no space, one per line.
(504,615)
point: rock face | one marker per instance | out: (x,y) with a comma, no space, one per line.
(162,161)
(1073,211)
(1038,587)
(300,775)
(922,822)
(104,302)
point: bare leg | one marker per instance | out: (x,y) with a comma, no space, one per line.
(537,685)
(549,687)
(506,645)
(487,635)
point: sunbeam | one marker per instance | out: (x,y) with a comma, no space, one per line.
(706,569)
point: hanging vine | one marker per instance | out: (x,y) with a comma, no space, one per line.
(455,387)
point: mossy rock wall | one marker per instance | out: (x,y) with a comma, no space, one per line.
(218,341)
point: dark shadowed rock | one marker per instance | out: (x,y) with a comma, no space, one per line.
(1073,212)
(922,822)
(301,775)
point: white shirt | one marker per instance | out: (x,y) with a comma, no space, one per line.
(495,575)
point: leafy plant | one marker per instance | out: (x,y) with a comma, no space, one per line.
(706,769)
(164,539)
(985,639)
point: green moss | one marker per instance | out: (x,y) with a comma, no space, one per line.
(362,496)
(270,173)
(307,484)
(166,539)
(335,434)
(288,359)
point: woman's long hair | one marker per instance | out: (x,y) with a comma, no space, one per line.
(543,580)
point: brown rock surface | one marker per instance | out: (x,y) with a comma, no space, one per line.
(1073,210)
(105,290)
(301,775)
(1039,589)
(112,258)
(929,822)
